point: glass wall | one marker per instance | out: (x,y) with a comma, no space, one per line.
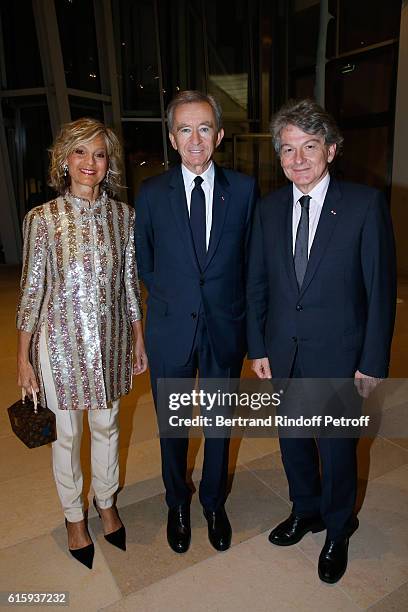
(373,21)
(28,134)
(85,107)
(182,46)
(138,53)
(143,144)
(21,56)
(76,25)
(361,71)
(191,45)
(26,123)
(122,61)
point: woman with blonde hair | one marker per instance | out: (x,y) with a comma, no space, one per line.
(78,315)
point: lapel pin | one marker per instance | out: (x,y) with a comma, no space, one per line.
(222,198)
(333,212)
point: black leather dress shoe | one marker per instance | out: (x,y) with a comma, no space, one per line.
(219,528)
(333,560)
(292,530)
(179,529)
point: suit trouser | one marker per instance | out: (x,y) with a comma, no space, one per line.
(212,491)
(332,494)
(104,427)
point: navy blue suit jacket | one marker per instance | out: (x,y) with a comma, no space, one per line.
(167,264)
(342,319)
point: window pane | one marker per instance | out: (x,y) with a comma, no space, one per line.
(367,22)
(84,107)
(363,84)
(182,46)
(22,56)
(224,155)
(183,59)
(28,137)
(303,34)
(302,85)
(143,146)
(255,156)
(76,23)
(365,156)
(140,79)
(229,55)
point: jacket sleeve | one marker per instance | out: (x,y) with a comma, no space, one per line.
(257,290)
(379,272)
(133,300)
(144,238)
(33,277)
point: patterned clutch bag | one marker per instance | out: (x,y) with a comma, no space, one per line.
(33,424)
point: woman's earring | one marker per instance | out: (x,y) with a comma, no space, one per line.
(108,176)
(65,169)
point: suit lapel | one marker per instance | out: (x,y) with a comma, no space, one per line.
(328,219)
(220,204)
(178,205)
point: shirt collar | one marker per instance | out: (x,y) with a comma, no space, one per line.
(83,202)
(318,193)
(207,176)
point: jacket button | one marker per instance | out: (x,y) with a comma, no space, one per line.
(299,307)
(193,315)
(201,282)
(294,338)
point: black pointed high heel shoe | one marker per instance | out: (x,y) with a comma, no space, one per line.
(116,538)
(85,554)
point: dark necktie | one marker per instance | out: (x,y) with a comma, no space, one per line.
(302,241)
(197,221)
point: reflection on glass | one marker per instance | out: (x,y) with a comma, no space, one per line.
(143,146)
(225,52)
(76,24)
(229,55)
(220,63)
(254,155)
(140,77)
(22,56)
(224,155)
(28,133)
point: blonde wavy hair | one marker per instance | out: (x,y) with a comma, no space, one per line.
(83,131)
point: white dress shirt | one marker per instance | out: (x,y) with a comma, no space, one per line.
(207,186)
(317,194)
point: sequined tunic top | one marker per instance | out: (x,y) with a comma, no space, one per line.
(79,286)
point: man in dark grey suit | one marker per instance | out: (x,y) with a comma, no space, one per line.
(321,304)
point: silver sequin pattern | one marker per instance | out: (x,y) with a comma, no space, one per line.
(79,283)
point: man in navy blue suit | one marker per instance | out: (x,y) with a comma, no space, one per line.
(192,233)
(321,304)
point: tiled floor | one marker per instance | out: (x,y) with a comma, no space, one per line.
(252,575)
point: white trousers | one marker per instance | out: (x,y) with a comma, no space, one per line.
(104,427)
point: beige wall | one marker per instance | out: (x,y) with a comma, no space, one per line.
(399,193)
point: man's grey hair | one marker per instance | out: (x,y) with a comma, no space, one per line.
(309,117)
(188,97)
